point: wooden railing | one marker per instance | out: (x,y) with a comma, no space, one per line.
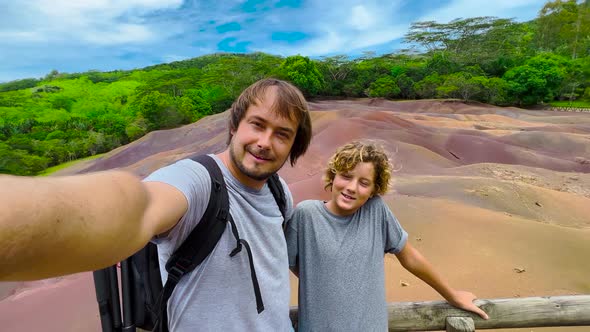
(504,313)
(569,109)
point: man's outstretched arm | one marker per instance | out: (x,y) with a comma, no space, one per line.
(60,225)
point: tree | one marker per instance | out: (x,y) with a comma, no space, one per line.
(20,162)
(232,73)
(19,84)
(136,129)
(303,73)
(538,80)
(426,88)
(216,96)
(187,109)
(156,108)
(62,102)
(460,85)
(384,87)
(456,36)
(406,86)
(441,64)
(476,40)
(564,27)
(335,70)
(201,106)
(495,91)
(577,79)
(53,74)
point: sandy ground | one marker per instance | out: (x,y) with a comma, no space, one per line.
(481,190)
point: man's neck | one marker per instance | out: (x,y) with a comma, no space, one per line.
(235,171)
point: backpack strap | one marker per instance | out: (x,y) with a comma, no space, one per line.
(208,231)
(276,188)
(201,241)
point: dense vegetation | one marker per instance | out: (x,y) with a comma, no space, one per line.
(64,116)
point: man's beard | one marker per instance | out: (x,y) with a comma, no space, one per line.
(258,176)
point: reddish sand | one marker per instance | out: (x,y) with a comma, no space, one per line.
(481,190)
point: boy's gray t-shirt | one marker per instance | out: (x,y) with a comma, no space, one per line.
(218,295)
(341,267)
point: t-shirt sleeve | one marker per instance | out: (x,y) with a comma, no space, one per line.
(193,181)
(395,237)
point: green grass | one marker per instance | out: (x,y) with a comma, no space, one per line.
(575,104)
(66,165)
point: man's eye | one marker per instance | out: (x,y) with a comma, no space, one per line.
(345,175)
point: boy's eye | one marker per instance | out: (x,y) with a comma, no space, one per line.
(345,175)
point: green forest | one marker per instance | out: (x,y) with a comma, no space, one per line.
(65,116)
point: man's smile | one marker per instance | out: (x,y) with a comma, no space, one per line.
(259,156)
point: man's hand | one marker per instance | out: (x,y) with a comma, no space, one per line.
(464,300)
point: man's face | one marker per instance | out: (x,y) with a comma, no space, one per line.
(262,142)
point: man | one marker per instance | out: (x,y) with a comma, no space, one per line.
(56,226)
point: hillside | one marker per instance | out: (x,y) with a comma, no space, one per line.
(481,190)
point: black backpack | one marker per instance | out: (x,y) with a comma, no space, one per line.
(144,297)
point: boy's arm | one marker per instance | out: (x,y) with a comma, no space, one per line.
(53,226)
(413,261)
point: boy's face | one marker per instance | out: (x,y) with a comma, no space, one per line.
(352,189)
(262,142)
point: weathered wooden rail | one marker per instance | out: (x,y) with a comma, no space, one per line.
(504,313)
(569,109)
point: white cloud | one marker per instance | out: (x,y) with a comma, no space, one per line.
(23,36)
(340,26)
(361,19)
(473,8)
(105,8)
(118,34)
(97,22)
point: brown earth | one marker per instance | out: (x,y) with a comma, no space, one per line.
(482,191)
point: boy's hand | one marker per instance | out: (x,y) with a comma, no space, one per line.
(464,300)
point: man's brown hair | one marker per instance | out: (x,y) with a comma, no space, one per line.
(289,104)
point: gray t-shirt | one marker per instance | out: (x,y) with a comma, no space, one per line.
(341,267)
(218,295)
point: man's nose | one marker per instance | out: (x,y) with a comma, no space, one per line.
(264,139)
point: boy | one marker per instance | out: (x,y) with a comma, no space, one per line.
(336,248)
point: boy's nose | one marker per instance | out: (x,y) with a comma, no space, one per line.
(351,187)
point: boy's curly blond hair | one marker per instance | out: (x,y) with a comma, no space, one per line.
(348,156)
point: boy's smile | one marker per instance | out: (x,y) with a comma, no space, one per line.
(352,189)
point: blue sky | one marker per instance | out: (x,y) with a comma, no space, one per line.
(37,36)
